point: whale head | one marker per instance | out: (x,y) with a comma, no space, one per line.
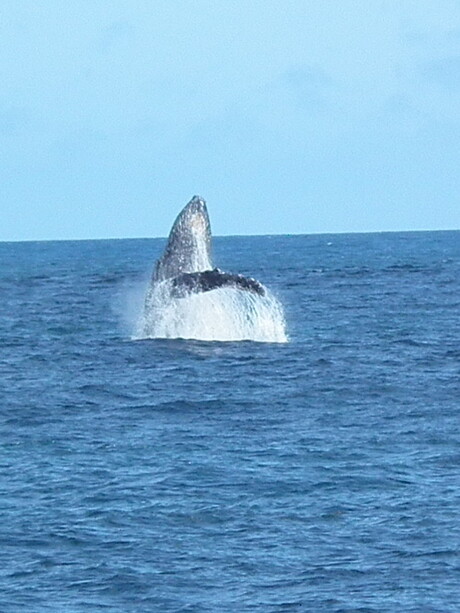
(189,243)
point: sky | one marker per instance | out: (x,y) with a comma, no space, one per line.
(288,117)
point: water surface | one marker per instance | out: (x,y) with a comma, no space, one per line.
(173,475)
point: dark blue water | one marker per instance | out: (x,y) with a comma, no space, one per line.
(162,475)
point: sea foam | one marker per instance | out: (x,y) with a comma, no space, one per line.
(224,314)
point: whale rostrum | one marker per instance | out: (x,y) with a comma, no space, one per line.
(187,260)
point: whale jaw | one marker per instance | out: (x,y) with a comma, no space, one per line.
(189,243)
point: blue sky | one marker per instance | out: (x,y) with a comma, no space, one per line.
(293,116)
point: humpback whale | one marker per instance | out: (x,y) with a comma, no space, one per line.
(186,263)
(182,298)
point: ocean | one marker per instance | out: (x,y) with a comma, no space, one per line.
(321,474)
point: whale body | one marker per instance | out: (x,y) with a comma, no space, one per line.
(186,263)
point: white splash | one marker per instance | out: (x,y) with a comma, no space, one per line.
(201,259)
(224,314)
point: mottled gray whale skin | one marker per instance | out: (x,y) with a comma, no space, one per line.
(189,243)
(187,261)
(198,282)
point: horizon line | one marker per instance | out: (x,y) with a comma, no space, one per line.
(121,238)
